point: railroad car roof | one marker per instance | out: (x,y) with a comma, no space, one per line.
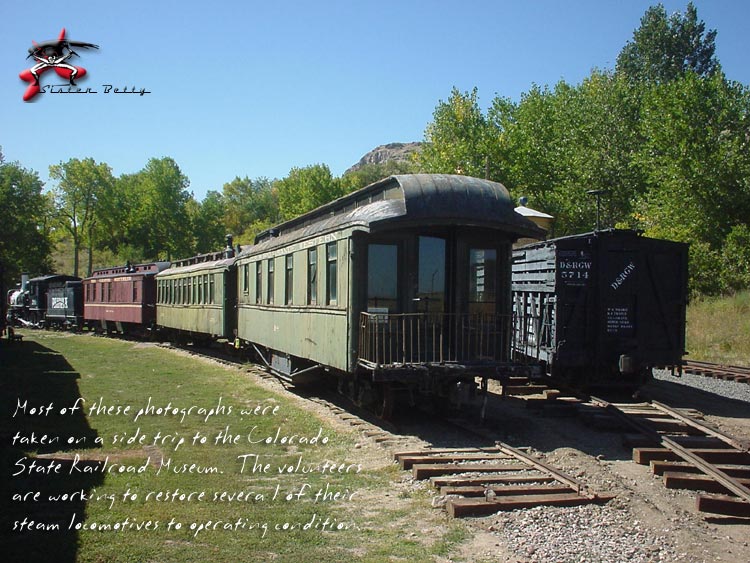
(135,269)
(409,198)
(601,233)
(223,263)
(54,277)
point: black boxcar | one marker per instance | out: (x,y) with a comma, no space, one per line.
(65,304)
(601,307)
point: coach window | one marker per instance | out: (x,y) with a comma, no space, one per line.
(312,276)
(135,292)
(205,289)
(482,280)
(289,280)
(382,278)
(199,292)
(259,282)
(246,278)
(211,289)
(269,297)
(331,274)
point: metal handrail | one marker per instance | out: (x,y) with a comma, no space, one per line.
(434,338)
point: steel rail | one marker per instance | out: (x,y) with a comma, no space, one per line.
(702,427)
(709,469)
(541,466)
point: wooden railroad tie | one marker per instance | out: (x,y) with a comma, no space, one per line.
(690,454)
(490,480)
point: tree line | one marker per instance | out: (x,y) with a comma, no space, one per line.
(663,136)
(150,215)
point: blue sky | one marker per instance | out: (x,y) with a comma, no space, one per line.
(246,88)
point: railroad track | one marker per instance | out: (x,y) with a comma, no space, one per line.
(477,481)
(482,481)
(718,371)
(370,428)
(689,454)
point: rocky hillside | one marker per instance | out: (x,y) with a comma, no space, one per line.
(389,152)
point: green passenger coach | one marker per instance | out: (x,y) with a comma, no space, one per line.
(196,297)
(404,284)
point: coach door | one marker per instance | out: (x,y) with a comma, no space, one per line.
(430,295)
(480,298)
(383,272)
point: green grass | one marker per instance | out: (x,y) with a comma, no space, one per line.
(57,368)
(718,329)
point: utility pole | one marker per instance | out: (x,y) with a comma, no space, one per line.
(598,194)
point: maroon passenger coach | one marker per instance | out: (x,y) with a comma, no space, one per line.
(122,299)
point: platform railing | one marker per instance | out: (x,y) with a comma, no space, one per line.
(421,338)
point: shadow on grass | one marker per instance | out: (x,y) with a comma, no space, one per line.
(35,377)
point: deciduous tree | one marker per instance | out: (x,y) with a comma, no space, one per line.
(304,189)
(80,185)
(665,47)
(25,242)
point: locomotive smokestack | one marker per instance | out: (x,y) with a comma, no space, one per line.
(24,282)
(229,250)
